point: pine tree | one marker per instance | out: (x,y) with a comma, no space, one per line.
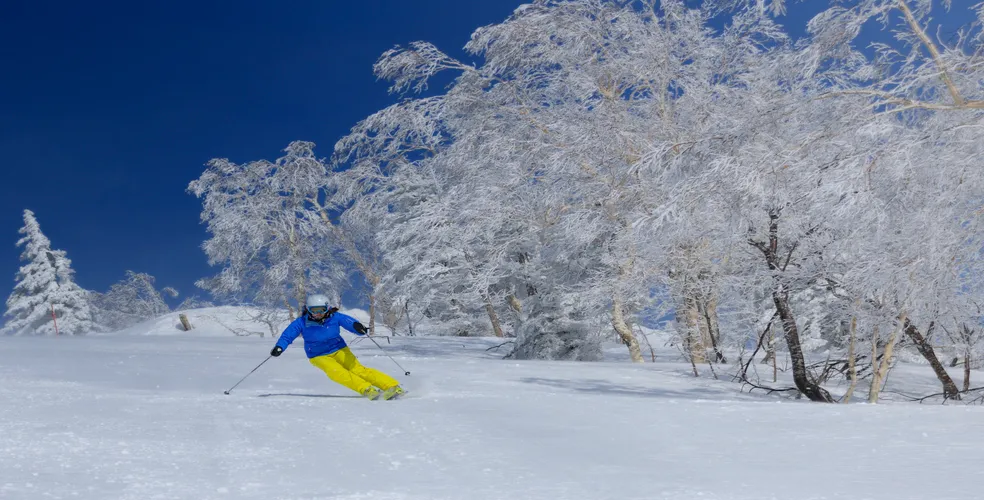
(71,302)
(44,286)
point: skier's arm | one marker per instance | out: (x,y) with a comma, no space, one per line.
(290,333)
(349,323)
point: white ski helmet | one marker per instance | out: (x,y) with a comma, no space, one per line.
(316,300)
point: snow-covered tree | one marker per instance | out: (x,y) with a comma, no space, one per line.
(630,125)
(917,265)
(73,308)
(609,161)
(133,299)
(267,228)
(45,293)
(193,302)
(535,155)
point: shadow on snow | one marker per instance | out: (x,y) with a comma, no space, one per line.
(306,395)
(598,386)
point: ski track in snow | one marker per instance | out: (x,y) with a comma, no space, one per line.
(144,417)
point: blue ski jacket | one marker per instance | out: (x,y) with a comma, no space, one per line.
(320,337)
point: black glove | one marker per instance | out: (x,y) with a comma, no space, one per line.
(276,351)
(360,328)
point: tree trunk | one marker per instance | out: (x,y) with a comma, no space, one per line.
(852,369)
(701,320)
(618,321)
(926,349)
(184,322)
(406,310)
(770,350)
(967,335)
(696,313)
(496,328)
(290,309)
(372,314)
(693,332)
(775,366)
(301,299)
(878,376)
(801,377)
(966,386)
(780,296)
(704,333)
(874,356)
(710,317)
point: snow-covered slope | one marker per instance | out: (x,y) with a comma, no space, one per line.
(221,321)
(230,321)
(145,417)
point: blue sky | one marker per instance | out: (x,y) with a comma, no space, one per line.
(110,108)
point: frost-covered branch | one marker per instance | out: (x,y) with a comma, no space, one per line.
(414,65)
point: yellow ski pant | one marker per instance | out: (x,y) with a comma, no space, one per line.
(344,368)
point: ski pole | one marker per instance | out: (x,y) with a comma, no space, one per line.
(248,374)
(405,372)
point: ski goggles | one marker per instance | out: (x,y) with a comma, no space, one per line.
(318,309)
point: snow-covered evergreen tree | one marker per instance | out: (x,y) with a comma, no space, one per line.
(72,303)
(45,292)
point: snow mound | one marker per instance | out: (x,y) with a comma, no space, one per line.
(222,321)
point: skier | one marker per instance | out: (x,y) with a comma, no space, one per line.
(326,349)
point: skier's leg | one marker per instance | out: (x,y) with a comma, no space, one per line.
(340,374)
(347,359)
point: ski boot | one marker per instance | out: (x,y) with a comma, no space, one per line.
(371,393)
(393,392)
